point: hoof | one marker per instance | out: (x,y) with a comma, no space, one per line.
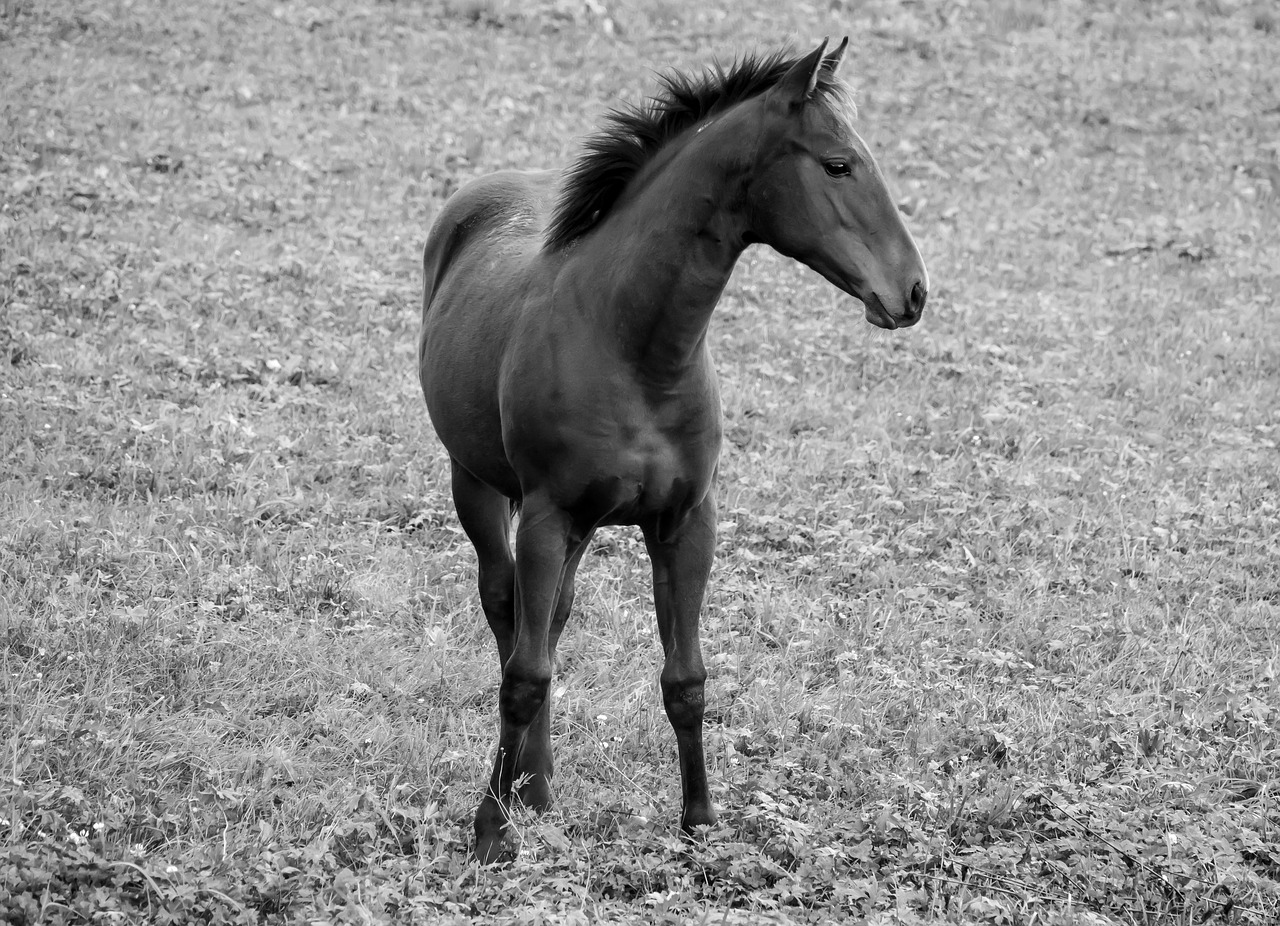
(696,815)
(493,847)
(492,844)
(536,794)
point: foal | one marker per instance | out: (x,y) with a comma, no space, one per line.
(564,360)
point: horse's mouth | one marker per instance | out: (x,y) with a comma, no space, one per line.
(878,315)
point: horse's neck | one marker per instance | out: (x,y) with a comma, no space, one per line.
(663,256)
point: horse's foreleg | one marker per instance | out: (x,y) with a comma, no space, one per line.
(542,548)
(681,566)
(536,764)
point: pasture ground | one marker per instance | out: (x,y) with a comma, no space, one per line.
(993,629)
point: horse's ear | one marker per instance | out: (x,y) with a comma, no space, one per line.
(798,84)
(832,61)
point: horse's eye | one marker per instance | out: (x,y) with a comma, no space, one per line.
(837,168)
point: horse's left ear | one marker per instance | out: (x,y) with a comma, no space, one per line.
(832,61)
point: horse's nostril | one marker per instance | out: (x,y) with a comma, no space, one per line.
(915,301)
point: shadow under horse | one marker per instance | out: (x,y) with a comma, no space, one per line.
(564,359)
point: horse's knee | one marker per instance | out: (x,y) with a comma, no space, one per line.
(497,600)
(685,701)
(497,591)
(523,692)
(564,604)
(501,618)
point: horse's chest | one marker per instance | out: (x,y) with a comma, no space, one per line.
(659,470)
(643,471)
(600,443)
(652,483)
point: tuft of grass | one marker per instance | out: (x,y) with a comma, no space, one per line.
(991,628)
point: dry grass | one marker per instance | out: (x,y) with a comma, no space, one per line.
(992,630)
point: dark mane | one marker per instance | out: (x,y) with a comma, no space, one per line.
(633,134)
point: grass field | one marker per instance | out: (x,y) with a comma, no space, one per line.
(994,632)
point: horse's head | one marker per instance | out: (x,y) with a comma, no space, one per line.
(817,195)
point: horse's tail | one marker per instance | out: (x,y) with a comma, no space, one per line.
(443,240)
(441,243)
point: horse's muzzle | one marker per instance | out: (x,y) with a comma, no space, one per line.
(912,309)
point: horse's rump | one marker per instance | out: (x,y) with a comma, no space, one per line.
(481,263)
(508,206)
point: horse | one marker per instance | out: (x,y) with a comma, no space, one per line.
(564,360)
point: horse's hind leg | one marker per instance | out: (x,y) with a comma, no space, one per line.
(485,515)
(542,551)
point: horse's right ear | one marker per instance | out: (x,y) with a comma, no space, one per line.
(798,84)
